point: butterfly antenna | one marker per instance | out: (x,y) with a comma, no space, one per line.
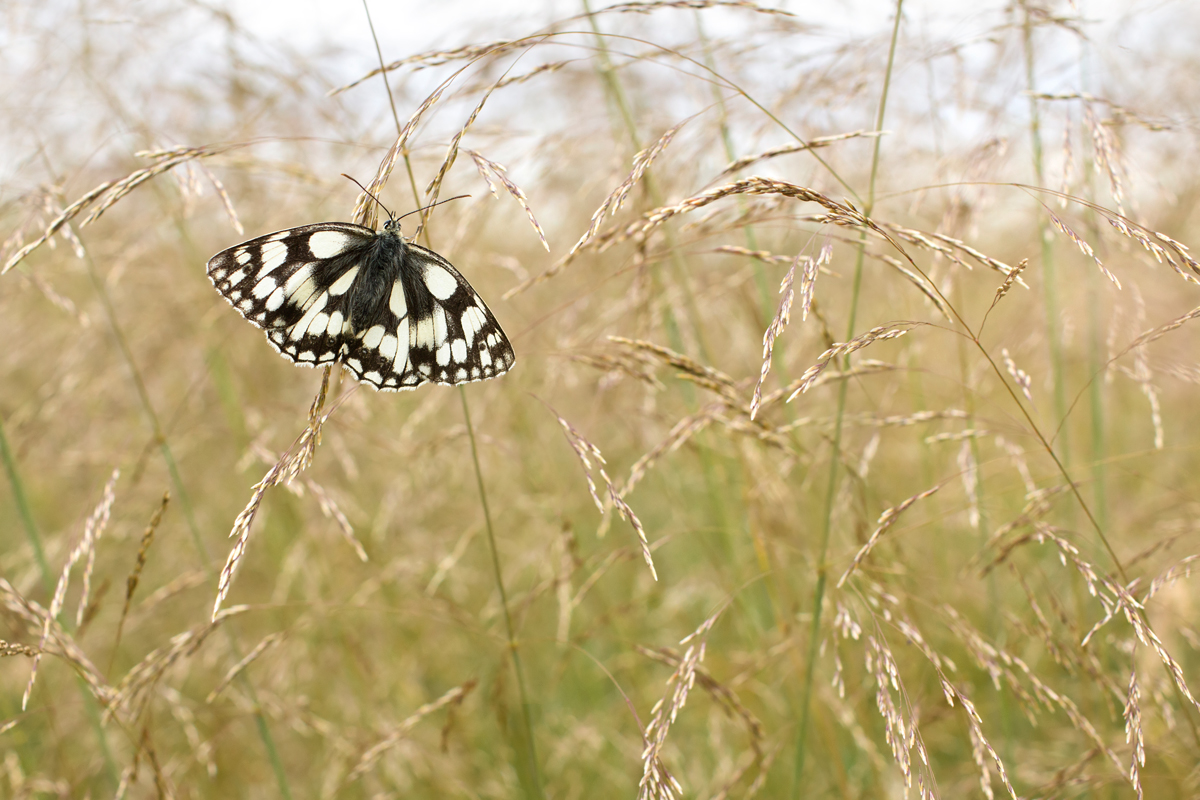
(368,194)
(431,205)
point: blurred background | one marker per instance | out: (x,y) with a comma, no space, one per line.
(958,564)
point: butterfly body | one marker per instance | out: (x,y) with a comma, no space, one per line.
(393,313)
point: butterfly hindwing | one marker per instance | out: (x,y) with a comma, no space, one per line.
(444,333)
(408,318)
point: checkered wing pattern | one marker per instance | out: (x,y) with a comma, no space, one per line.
(393,313)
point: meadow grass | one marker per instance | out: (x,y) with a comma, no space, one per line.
(847,453)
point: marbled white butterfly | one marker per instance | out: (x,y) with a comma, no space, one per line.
(394,313)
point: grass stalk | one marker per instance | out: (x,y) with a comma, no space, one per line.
(1049,266)
(822,562)
(531,766)
(22,503)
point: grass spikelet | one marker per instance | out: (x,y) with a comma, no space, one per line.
(13,649)
(1107,157)
(92,532)
(657,783)
(780,322)
(58,643)
(586,451)
(331,510)
(880,333)
(1178,571)
(1083,246)
(708,377)
(900,730)
(487,167)
(839,214)
(366,210)
(1019,375)
(133,692)
(93,529)
(614,201)
(436,58)
(1133,733)
(797,147)
(1009,280)
(269,641)
(808,279)
(369,759)
(885,521)
(286,469)
(680,433)
(131,582)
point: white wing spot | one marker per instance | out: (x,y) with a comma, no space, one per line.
(485,358)
(276,299)
(273,255)
(336,323)
(439,325)
(237,277)
(299,277)
(327,244)
(387,347)
(475,373)
(424,331)
(299,329)
(306,356)
(396,302)
(472,323)
(319,323)
(342,284)
(460,376)
(443,355)
(400,360)
(440,282)
(246,305)
(264,287)
(373,377)
(373,336)
(235,296)
(354,364)
(459,350)
(243,257)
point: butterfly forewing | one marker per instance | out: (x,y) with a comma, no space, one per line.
(395,314)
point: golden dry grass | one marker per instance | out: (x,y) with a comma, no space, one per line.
(849,451)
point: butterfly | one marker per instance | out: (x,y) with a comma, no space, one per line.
(392,312)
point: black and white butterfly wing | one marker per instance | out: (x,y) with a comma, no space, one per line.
(435,328)
(395,314)
(294,284)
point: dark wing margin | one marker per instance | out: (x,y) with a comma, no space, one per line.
(293,284)
(437,329)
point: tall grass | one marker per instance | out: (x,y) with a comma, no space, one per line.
(915,524)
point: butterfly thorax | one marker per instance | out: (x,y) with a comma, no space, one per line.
(381,266)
